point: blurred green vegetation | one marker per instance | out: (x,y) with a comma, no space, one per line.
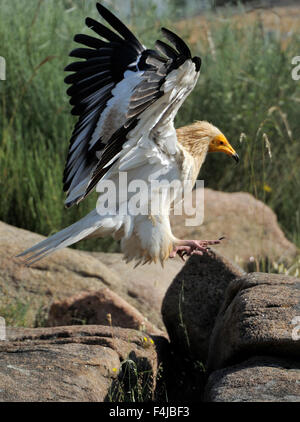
(245,88)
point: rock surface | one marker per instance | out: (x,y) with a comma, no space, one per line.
(146,285)
(256,318)
(193,300)
(240,325)
(244,327)
(78,363)
(259,379)
(250,227)
(102,307)
(32,290)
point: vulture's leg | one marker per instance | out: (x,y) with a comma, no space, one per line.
(192,247)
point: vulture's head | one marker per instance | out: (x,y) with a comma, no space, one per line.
(202,137)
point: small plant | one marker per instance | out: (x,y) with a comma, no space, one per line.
(134,382)
(16,314)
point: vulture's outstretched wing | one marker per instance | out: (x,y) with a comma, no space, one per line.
(120,92)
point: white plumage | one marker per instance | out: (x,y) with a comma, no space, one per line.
(126,98)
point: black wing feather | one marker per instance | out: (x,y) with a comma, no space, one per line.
(105,62)
(91,88)
(84,53)
(112,149)
(103,31)
(78,66)
(85,72)
(119,27)
(166,49)
(180,45)
(89,41)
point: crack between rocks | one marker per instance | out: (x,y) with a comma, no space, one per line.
(78,272)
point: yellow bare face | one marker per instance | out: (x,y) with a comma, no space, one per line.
(220,144)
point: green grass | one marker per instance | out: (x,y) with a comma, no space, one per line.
(246,88)
(15,314)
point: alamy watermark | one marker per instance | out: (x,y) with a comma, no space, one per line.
(296,330)
(2,69)
(296,69)
(154,197)
(2,329)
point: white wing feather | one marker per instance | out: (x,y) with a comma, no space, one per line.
(132,131)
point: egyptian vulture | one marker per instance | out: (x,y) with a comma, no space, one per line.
(126,98)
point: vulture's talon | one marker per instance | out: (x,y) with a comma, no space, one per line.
(193,247)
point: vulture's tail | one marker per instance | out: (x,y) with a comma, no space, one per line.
(66,237)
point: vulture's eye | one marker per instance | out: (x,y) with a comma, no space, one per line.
(221,143)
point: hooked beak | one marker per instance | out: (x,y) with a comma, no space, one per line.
(236,157)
